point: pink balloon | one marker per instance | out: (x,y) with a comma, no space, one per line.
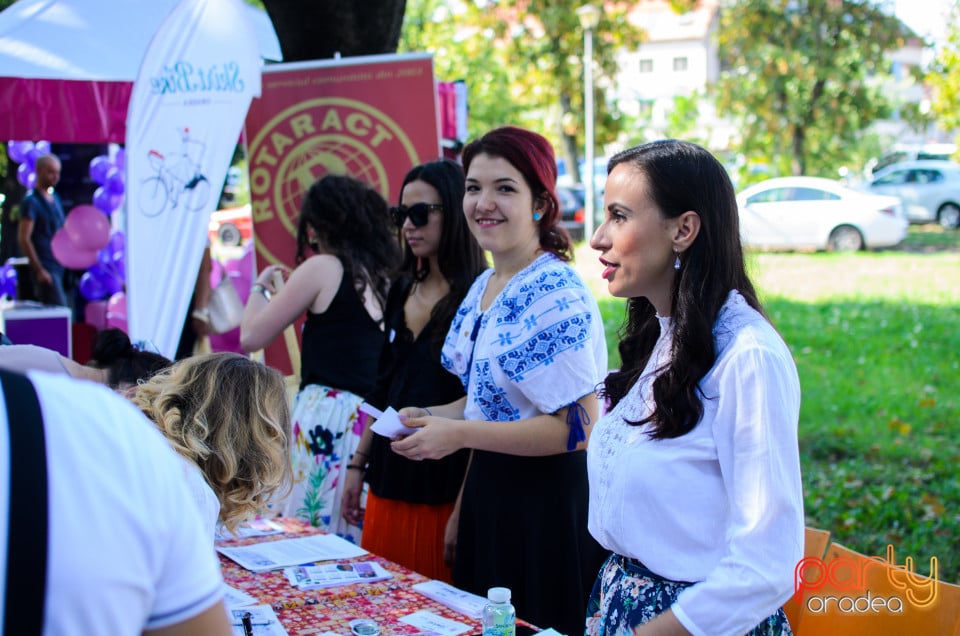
(88,228)
(117,311)
(69,254)
(95,313)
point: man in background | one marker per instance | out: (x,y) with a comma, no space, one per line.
(41,215)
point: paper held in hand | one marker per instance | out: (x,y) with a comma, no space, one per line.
(388,422)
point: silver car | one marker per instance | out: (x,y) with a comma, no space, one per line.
(930,190)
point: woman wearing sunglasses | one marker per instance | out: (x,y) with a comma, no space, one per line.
(409,503)
(346,253)
(527,343)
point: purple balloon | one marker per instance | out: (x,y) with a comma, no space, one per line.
(99,167)
(107,277)
(8,281)
(117,241)
(114,184)
(24,172)
(91,288)
(120,159)
(17,150)
(32,157)
(43,147)
(106,202)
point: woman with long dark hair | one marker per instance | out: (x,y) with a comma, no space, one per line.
(346,254)
(527,344)
(695,469)
(409,503)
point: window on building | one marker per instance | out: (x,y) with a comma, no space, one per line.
(646,65)
(679,63)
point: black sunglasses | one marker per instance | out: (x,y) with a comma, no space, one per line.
(419,213)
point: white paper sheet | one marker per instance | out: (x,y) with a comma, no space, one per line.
(456,599)
(272,555)
(262,618)
(308,577)
(389,425)
(232,597)
(434,623)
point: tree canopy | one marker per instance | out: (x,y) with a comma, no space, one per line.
(944,77)
(802,78)
(523,62)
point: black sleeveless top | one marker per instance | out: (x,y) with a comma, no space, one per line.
(341,347)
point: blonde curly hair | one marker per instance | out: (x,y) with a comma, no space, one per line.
(228,415)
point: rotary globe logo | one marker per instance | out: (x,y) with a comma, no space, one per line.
(315,138)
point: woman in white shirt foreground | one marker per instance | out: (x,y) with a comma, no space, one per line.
(694,471)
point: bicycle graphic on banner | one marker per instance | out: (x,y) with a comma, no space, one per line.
(178,179)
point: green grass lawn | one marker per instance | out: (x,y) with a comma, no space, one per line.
(876,339)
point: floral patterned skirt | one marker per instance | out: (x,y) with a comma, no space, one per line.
(626,594)
(327,426)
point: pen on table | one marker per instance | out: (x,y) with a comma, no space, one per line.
(247,624)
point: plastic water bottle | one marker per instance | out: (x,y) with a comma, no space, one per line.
(499,616)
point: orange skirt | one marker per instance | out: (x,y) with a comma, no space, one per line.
(407,533)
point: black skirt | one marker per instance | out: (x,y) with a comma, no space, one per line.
(523,525)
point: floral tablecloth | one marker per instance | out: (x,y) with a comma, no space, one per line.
(331,609)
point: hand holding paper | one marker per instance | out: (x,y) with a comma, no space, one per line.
(388,422)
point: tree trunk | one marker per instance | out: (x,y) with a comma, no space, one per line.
(799,162)
(320,29)
(569,140)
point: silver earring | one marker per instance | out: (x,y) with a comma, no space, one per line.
(676,263)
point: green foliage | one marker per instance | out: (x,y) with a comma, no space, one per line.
(803,91)
(944,77)
(875,338)
(522,61)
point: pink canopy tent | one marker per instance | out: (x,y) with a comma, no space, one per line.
(67,66)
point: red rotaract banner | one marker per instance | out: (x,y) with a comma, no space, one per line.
(372,118)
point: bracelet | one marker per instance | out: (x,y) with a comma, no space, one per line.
(429,412)
(260,289)
(201,313)
(360,468)
(359,452)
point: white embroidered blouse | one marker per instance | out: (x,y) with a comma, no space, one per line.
(721,506)
(538,348)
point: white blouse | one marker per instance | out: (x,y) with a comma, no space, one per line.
(537,348)
(721,506)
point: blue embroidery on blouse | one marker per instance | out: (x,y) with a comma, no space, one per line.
(491,398)
(568,334)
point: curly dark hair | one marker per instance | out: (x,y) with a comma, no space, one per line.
(124,363)
(460,257)
(353,221)
(532,155)
(682,176)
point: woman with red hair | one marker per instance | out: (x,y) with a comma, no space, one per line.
(527,343)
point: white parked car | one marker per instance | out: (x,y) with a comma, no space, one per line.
(930,190)
(815,213)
